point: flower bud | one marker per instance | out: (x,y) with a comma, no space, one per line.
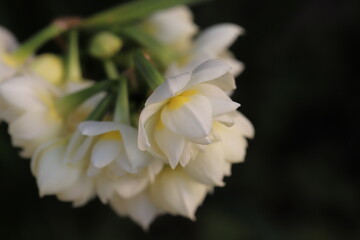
(105,45)
(48,66)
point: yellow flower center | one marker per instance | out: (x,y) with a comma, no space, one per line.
(114,135)
(178,101)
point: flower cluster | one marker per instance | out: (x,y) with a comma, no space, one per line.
(156,137)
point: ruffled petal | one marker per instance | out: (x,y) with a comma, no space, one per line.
(171,144)
(208,166)
(140,208)
(177,193)
(220,101)
(193,119)
(169,88)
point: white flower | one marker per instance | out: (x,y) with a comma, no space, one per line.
(115,160)
(179,114)
(8,43)
(212,43)
(173,27)
(27,103)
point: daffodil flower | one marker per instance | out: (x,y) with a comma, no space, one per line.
(180,112)
(173,27)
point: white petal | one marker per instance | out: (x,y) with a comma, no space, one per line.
(244,124)
(8,41)
(140,208)
(169,88)
(137,158)
(53,174)
(104,152)
(208,166)
(94,128)
(128,186)
(171,144)
(236,66)
(193,119)
(147,112)
(104,189)
(79,193)
(218,38)
(225,82)
(220,101)
(177,193)
(208,71)
(154,169)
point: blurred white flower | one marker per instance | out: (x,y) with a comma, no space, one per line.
(173,27)
(212,43)
(179,114)
(28,104)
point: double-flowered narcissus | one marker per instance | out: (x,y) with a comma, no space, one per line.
(154,137)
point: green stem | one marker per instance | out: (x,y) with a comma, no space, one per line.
(149,73)
(110,69)
(30,46)
(122,113)
(102,108)
(70,102)
(73,68)
(130,11)
(156,49)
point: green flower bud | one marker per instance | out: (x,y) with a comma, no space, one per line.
(48,66)
(105,45)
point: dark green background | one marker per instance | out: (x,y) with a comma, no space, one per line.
(299,180)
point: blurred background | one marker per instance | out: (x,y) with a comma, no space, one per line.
(300,179)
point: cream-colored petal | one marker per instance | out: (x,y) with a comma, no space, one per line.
(208,71)
(8,42)
(218,38)
(171,144)
(94,128)
(145,115)
(128,186)
(140,208)
(177,193)
(79,193)
(193,119)
(137,158)
(220,101)
(52,173)
(104,152)
(208,166)
(169,88)
(104,189)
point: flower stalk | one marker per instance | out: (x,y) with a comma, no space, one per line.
(73,68)
(152,77)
